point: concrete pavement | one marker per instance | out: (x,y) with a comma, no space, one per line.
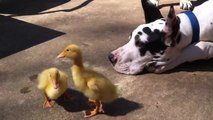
(33,35)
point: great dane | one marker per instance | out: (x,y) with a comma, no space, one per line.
(164,43)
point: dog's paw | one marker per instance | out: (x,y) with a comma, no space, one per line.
(185,4)
(160,69)
(155,2)
(151,66)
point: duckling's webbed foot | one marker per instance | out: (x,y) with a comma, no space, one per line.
(96,107)
(48,103)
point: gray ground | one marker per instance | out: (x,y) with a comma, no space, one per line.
(35,32)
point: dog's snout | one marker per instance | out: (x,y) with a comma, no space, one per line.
(112,58)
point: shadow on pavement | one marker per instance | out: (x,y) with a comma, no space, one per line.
(200,65)
(28,7)
(121,107)
(16,35)
(69,10)
(77,104)
(118,107)
(35,7)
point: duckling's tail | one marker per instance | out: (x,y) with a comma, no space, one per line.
(110,95)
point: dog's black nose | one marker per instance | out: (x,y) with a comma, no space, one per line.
(112,58)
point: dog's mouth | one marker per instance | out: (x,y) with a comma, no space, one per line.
(126,66)
(119,67)
(129,68)
(122,68)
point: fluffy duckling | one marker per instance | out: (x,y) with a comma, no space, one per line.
(92,84)
(53,83)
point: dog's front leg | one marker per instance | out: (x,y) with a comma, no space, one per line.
(196,51)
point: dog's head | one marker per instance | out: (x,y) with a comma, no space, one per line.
(146,42)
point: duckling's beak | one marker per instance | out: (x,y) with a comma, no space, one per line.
(55,84)
(61,55)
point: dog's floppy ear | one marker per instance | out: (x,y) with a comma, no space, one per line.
(151,12)
(171,28)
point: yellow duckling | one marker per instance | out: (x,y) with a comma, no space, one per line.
(93,85)
(53,83)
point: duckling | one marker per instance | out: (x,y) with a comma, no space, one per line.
(53,83)
(92,84)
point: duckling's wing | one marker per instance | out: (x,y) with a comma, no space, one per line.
(92,84)
(42,80)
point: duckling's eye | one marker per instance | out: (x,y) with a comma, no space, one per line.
(68,50)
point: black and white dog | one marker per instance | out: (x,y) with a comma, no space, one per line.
(164,43)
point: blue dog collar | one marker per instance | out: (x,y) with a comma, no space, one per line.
(195,26)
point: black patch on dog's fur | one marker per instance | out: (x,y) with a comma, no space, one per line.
(140,33)
(138,41)
(154,44)
(147,30)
